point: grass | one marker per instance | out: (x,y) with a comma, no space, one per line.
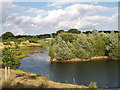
(20,79)
(22,52)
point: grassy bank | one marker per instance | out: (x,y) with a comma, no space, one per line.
(20,79)
(23,51)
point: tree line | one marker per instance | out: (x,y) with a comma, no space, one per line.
(11,36)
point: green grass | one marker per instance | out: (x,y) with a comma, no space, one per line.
(21,52)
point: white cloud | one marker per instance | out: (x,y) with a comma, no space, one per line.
(37,11)
(58,4)
(80,16)
(7,8)
(17,31)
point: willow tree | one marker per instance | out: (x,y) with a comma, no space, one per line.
(83,47)
(99,44)
(112,45)
(63,51)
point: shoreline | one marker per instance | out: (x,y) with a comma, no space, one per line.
(97,58)
(21,79)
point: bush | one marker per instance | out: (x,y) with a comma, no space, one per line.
(7,43)
(92,85)
(17,46)
(33,41)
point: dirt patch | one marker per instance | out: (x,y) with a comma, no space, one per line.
(84,60)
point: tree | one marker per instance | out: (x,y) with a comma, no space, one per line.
(74,31)
(7,35)
(9,59)
(62,51)
(59,50)
(59,31)
(112,45)
(69,45)
(83,47)
(68,36)
(72,48)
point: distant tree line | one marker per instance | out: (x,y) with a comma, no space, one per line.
(10,36)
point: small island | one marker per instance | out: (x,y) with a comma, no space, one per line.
(84,46)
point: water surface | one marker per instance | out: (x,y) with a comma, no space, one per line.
(105,73)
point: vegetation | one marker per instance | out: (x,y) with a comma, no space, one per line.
(92,85)
(70,46)
(9,59)
(63,45)
(20,79)
(7,35)
(74,31)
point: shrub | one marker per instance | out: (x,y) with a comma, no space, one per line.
(92,85)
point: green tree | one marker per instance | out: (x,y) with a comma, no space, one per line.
(59,31)
(68,36)
(74,31)
(72,48)
(60,50)
(69,45)
(9,59)
(63,52)
(99,46)
(7,35)
(83,47)
(112,45)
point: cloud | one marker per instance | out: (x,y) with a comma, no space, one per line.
(7,8)
(80,16)
(37,11)
(17,31)
(58,4)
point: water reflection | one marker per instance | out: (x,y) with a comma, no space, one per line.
(105,73)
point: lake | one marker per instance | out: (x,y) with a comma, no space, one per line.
(104,72)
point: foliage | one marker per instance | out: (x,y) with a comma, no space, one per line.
(74,31)
(32,41)
(7,35)
(83,48)
(17,46)
(68,36)
(60,50)
(70,46)
(7,43)
(59,31)
(9,59)
(92,85)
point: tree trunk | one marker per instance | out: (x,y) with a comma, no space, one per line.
(8,72)
(6,75)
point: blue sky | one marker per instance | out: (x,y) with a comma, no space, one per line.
(33,18)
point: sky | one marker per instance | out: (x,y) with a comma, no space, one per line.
(34,18)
